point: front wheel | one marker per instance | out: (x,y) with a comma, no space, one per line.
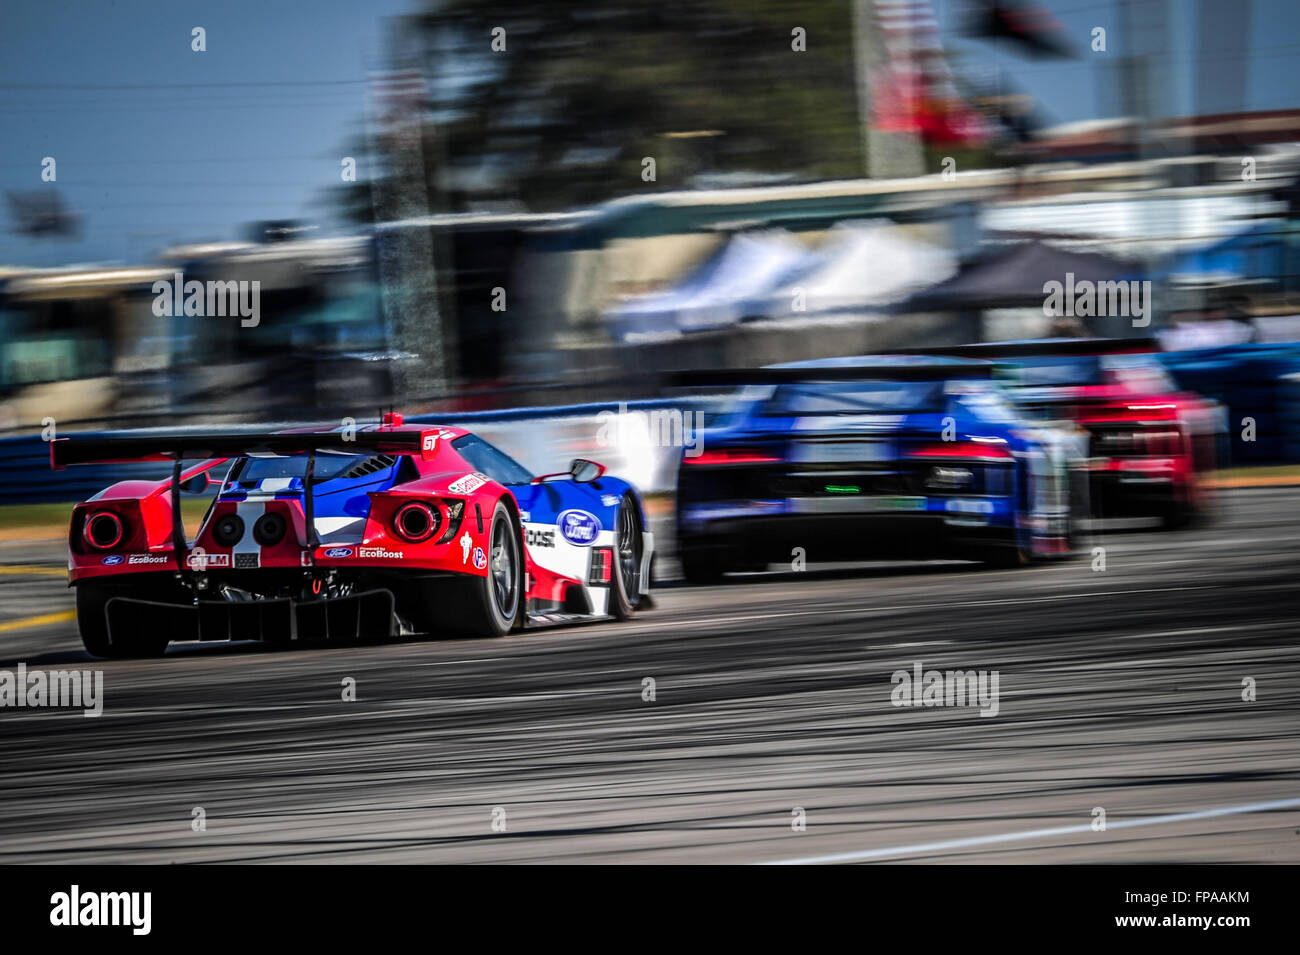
(489,606)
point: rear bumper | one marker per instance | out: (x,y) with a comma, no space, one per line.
(367,614)
(829,537)
(353,560)
(1119,493)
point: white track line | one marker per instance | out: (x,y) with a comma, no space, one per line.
(921,848)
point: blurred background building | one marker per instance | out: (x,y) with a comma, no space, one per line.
(555,205)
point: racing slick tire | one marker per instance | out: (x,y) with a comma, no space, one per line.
(1006,554)
(1180,514)
(701,567)
(629,548)
(1078,535)
(491,605)
(92,621)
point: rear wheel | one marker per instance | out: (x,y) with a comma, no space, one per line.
(1077,538)
(490,606)
(1179,513)
(629,549)
(92,621)
(701,567)
(1007,553)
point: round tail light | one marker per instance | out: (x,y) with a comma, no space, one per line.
(269,529)
(103,530)
(416,522)
(228,530)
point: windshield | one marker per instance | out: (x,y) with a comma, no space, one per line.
(1048,370)
(329,465)
(1139,371)
(491,461)
(855,397)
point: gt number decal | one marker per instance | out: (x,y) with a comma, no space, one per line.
(578,527)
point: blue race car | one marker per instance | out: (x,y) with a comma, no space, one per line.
(871,458)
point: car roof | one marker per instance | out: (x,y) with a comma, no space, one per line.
(886,361)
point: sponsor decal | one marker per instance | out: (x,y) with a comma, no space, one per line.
(544,538)
(578,527)
(112,560)
(248,560)
(465,543)
(337,552)
(480,558)
(609,500)
(467,484)
(382,552)
(146,559)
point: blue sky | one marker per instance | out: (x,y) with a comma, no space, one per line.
(148,147)
(157,144)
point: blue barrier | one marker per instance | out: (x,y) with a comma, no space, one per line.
(1252,381)
(26,477)
(1261,382)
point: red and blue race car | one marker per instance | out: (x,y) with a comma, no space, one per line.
(338,535)
(1151,446)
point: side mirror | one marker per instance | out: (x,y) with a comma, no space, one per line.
(197,484)
(583,471)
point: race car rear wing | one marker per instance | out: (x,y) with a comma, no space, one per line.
(991,351)
(117,448)
(736,377)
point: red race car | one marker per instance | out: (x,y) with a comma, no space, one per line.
(1150,445)
(336,535)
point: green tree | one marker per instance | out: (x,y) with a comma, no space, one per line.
(581,95)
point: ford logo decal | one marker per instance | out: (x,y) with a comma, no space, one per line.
(339,552)
(578,527)
(112,559)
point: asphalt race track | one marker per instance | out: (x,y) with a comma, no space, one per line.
(1119,689)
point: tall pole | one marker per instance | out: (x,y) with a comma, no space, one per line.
(405,255)
(885,155)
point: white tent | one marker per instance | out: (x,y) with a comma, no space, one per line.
(863,265)
(714,294)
